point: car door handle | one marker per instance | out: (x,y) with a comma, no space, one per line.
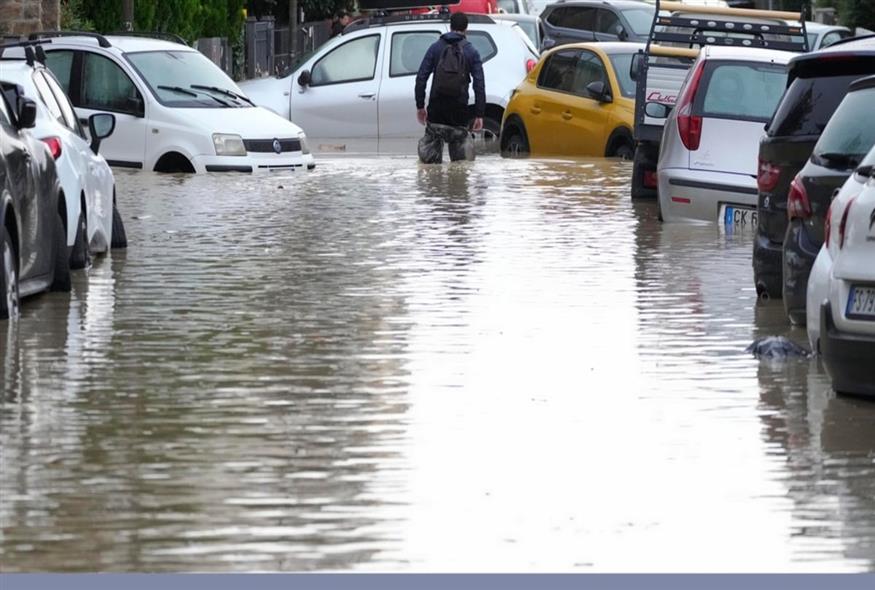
(567,115)
(535,110)
(367,95)
(83,121)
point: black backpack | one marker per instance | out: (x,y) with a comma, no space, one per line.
(451,72)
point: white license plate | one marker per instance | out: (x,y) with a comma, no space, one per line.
(861,303)
(735,216)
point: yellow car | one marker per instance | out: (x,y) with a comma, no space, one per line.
(579,100)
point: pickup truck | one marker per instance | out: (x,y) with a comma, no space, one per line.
(677,33)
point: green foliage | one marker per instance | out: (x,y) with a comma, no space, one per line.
(313,9)
(73,16)
(857,13)
(189,19)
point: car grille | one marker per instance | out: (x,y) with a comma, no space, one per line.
(266,145)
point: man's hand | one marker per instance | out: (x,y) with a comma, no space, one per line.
(421,116)
(478,124)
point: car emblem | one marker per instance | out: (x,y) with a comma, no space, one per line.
(277,146)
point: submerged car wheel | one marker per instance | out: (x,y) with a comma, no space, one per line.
(61,279)
(80,257)
(9,302)
(119,235)
(486,140)
(624,151)
(514,144)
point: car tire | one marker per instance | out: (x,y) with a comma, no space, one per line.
(61,278)
(9,297)
(624,151)
(487,140)
(80,256)
(514,143)
(640,161)
(119,235)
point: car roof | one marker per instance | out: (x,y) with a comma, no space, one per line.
(816,27)
(861,83)
(603,3)
(759,54)
(121,43)
(516,17)
(611,47)
(851,46)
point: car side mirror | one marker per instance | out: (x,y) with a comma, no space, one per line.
(136,106)
(656,110)
(26,113)
(635,65)
(622,35)
(304,79)
(100,126)
(598,91)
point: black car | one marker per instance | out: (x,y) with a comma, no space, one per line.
(816,84)
(33,245)
(845,141)
(596,20)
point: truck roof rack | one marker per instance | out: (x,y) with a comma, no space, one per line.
(101,40)
(172,37)
(33,51)
(376,21)
(692,26)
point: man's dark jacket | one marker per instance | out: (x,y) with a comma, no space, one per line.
(475,72)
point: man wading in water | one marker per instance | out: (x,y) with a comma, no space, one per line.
(453,62)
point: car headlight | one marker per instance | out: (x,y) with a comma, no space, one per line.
(305,148)
(228,144)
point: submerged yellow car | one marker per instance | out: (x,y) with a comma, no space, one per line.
(579,100)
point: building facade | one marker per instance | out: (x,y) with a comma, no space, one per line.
(19,17)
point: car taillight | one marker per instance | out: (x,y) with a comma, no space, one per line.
(798,206)
(827,224)
(689,125)
(530,65)
(843,224)
(54,144)
(767,176)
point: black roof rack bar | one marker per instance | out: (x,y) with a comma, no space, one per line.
(706,39)
(153,35)
(375,21)
(101,40)
(729,26)
(37,43)
(707,31)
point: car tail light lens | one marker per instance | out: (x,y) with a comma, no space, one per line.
(650,178)
(798,206)
(530,65)
(767,176)
(54,144)
(843,224)
(689,125)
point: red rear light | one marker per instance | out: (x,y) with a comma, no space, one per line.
(767,176)
(798,206)
(650,178)
(689,125)
(843,225)
(530,65)
(54,144)
(827,224)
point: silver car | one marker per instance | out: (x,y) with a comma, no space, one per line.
(708,157)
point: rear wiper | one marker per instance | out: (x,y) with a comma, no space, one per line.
(845,160)
(224,91)
(178,89)
(865,170)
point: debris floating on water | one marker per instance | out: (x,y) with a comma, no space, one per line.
(772,347)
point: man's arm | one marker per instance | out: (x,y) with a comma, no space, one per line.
(479,83)
(425,70)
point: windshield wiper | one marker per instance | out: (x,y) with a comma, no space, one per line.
(845,160)
(224,91)
(178,89)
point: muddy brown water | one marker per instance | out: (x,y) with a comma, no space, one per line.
(489,366)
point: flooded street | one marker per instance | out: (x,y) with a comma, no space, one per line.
(496,366)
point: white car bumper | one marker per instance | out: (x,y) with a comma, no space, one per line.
(686,194)
(254,163)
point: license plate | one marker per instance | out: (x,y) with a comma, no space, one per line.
(861,303)
(734,216)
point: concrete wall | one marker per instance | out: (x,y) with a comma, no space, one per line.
(18,17)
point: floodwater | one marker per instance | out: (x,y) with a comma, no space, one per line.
(496,366)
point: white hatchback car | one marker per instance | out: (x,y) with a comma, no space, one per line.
(175,110)
(840,303)
(708,156)
(89,210)
(359,85)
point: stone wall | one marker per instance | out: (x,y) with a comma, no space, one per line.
(18,17)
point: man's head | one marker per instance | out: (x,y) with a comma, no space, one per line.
(459,22)
(344,18)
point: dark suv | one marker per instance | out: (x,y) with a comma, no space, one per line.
(816,84)
(844,143)
(596,20)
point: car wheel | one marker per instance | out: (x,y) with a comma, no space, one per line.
(515,145)
(61,279)
(80,257)
(119,236)
(486,140)
(9,302)
(640,163)
(624,151)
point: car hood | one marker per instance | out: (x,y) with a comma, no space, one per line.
(248,122)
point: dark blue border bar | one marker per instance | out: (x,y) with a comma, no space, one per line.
(437,581)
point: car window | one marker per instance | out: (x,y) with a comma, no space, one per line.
(622,63)
(47,98)
(353,61)
(640,19)
(483,43)
(106,87)
(608,22)
(808,104)
(589,69)
(812,41)
(165,70)
(558,73)
(830,38)
(510,6)
(408,49)
(573,17)
(851,129)
(61,63)
(67,111)
(738,90)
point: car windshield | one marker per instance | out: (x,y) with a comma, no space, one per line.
(748,91)
(850,133)
(622,63)
(639,19)
(812,41)
(530,28)
(181,79)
